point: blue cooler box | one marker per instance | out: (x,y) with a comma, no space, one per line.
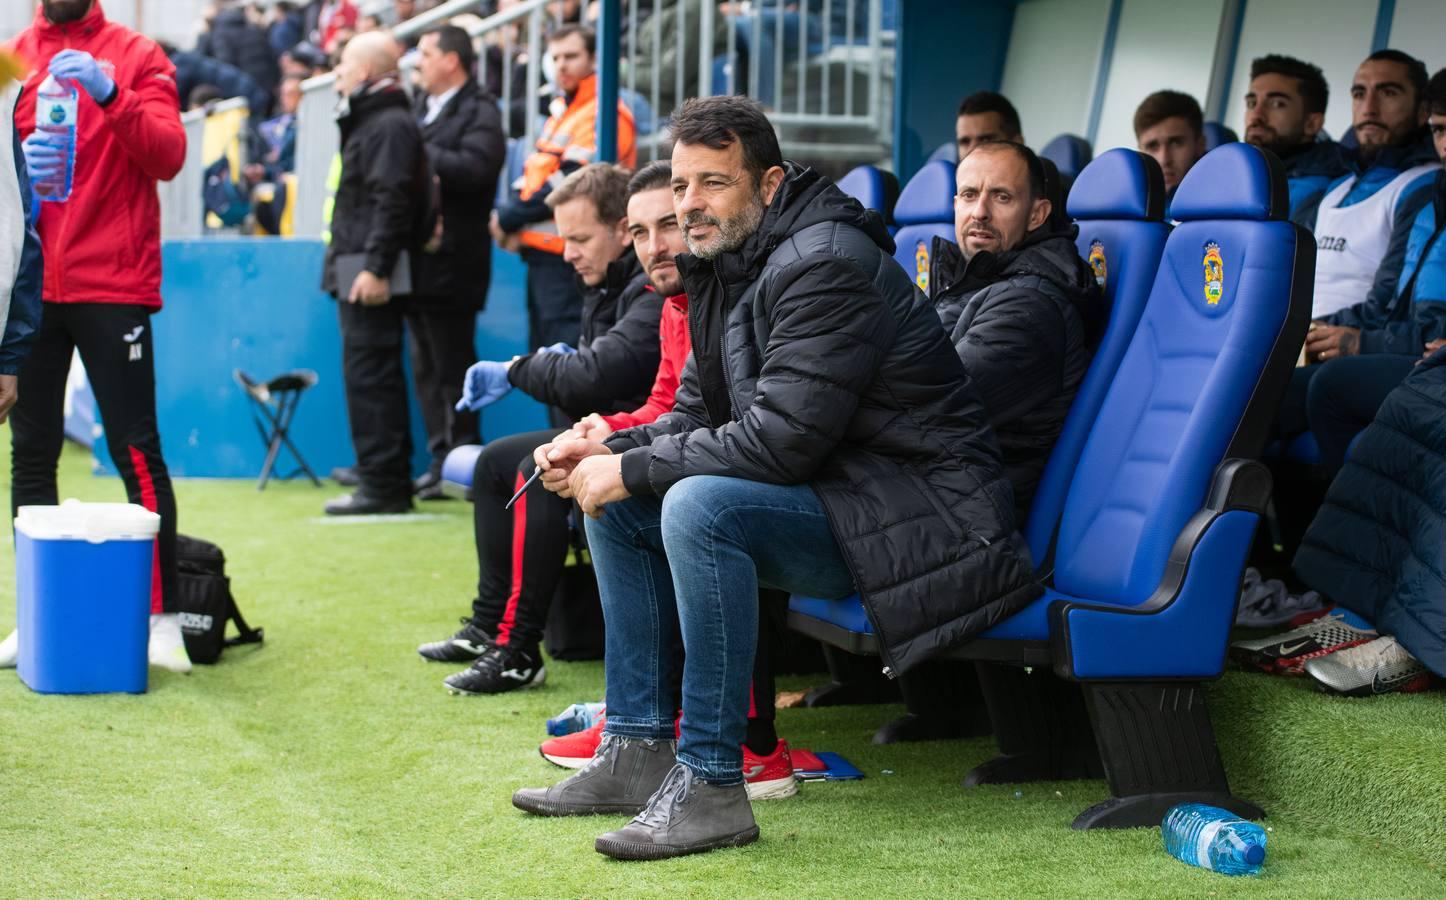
(83,596)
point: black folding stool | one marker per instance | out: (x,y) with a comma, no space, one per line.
(273,408)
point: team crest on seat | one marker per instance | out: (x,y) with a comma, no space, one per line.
(1097,262)
(1214,274)
(921,266)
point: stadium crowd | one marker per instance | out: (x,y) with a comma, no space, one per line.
(748,393)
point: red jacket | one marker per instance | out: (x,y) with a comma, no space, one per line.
(674,345)
(103,245)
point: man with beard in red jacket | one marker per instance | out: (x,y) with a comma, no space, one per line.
(102,251)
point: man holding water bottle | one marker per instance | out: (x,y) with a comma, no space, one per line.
(113,129)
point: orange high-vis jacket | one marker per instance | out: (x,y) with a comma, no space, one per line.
(569,141)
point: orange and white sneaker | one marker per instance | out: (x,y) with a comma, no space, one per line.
(572,751)
(769,777)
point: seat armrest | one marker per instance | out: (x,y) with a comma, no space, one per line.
(1207,558)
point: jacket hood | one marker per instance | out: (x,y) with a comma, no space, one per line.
(88,24)
(1316,158)
(621,273)
(1045,253)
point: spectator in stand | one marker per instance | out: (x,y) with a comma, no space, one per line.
(1284,113)
(1386,339)
(335,20)
(238,38)
(616,359)
(822,409)
(278,135)
(194,70)
(523,223)
(381,213)
(304,60)
(1170,127)
(285,26)
(985,116)
(99,301)
(462,129)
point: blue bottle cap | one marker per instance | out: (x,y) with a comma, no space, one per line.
(1255,855)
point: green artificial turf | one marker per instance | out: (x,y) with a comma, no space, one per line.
(331,762)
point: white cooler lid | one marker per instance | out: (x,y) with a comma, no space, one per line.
(93,522)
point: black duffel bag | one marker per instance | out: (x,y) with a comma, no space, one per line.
(204,601)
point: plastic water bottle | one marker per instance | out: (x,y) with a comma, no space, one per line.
(1213,838)
(577,717)
(56,105)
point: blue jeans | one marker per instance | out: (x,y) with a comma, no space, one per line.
(682,573)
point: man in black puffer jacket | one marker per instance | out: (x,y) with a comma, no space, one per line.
(1023,311)
(1020,306)
(825,438)
(238,41)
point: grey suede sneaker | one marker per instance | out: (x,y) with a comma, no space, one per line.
(618,779)
(686,815)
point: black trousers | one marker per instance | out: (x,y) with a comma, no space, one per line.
(376,397)
(554,310)
(114,341)
(1335,400)
(442,347)
(521,551)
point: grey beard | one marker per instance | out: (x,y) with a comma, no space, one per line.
(731,233)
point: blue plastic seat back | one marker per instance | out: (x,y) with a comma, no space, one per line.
(1118,202)
(1217,134)
(1070,153)
(875,188)
(1225,285)
(925,210)
(947,152)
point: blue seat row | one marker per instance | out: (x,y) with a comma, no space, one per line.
(1150,502)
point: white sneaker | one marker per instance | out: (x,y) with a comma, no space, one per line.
(1382,666)
(9,650)
(168,646)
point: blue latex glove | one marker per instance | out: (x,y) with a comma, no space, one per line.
(44,157)
(559,347)
(485,384)
(81,68)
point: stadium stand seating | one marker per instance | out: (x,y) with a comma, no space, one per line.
(875,188)
(1070,153)
(1217,134)
(1144,573)
(925,210)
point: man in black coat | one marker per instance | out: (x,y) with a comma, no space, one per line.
(381,214)
(1023,312)
(462,129)
(826,438)
(236,40)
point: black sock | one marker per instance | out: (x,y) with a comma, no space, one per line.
(762,737)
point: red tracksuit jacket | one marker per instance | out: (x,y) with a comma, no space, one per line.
(103,245)
(674,345)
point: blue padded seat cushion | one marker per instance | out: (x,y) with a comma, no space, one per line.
(1233,181)
(847,613)
(1069,152)
(873,187)
(928,197)
(1121,184)
(460,464)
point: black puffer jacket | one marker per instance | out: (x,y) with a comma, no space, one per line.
(816,360)
(383,202)
(1375,546)
(617,356)
(234,40)
(1024,323)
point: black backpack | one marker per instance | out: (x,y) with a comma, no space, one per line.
(204,601)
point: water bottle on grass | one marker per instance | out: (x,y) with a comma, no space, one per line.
(577,717)
(1213,838)
(55,113)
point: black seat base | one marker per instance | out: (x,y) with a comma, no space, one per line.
(1042,725)
(855,680)
(1158,750)
(1148,810)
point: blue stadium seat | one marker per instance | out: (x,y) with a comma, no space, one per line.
(1164,502)
(457,471)
(1217,134)
(875,188)
(925,210)
(1070,153)
(947,152)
